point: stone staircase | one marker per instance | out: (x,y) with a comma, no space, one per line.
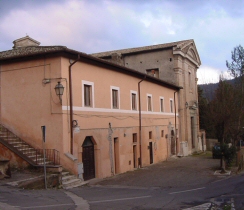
(33,156)
(70,181)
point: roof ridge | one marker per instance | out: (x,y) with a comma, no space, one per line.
(139,49)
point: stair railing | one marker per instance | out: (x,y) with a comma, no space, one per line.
(52,155)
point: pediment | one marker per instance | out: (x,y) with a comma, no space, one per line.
(188,50)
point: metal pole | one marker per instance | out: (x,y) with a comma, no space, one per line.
(44,153)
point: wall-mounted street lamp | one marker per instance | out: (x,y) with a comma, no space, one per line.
(59,89)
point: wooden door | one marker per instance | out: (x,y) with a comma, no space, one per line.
(151,152)
(88,159)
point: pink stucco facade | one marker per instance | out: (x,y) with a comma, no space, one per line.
(117,137)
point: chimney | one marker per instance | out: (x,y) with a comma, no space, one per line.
(25,42)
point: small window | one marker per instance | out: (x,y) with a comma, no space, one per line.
(161,104)
(133,100)
(115,97)
(153,72)
(88,91)
(189,78)
(134,137)
(149,102)
(171,105)
(150,134)
(87,95)
(162,133)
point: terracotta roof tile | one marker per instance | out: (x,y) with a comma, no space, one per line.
(178,44)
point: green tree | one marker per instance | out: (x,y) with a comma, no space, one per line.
(236,69)
(204,116)
(236,66)
(221,111)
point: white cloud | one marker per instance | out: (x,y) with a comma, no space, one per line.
(95,26)
(207,74)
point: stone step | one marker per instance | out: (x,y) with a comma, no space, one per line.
(72,183)
(13,142)
(23,146)
(32,156)
(9,139)
(67,178)
(76,185)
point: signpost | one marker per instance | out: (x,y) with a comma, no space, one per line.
(44,153)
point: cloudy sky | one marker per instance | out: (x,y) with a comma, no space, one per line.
(217,26)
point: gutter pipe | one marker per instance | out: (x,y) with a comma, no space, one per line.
(139,95)
(71,105)
(176,143)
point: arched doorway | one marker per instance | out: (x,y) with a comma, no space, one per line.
(88,158)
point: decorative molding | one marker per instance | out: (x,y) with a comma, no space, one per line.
(121,111)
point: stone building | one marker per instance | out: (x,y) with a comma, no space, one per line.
(176,63)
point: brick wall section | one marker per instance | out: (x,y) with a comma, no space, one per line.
(15,160)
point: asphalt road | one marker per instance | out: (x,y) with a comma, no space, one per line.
(218,193)
(176,184)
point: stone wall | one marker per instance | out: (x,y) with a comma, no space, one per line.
(15,160)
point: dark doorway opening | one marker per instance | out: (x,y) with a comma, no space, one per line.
(116,155)
(88,158)
(192,133)
(173,142)
(151,152)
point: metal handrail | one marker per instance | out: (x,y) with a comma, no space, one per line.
(36,155)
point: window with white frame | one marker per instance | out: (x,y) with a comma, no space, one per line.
(161,101)
(87,94)
(149,102)
(133,100)
(171,106)
(115,94)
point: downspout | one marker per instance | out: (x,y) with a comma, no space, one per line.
(176,145)
(71,105)
(139,97)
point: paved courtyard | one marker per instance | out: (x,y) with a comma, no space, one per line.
(175,172)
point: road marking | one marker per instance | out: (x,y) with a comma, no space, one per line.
(46,206)
(121,199)
(201,188)
(204,206)
(73,204)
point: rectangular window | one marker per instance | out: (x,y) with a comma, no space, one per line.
(161,104)
(133,101)
(149,102)
(162,133)
(88,94)
(150,134)
(171,106)
(189,78)
(115,100)
(153,72)
(134,137)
